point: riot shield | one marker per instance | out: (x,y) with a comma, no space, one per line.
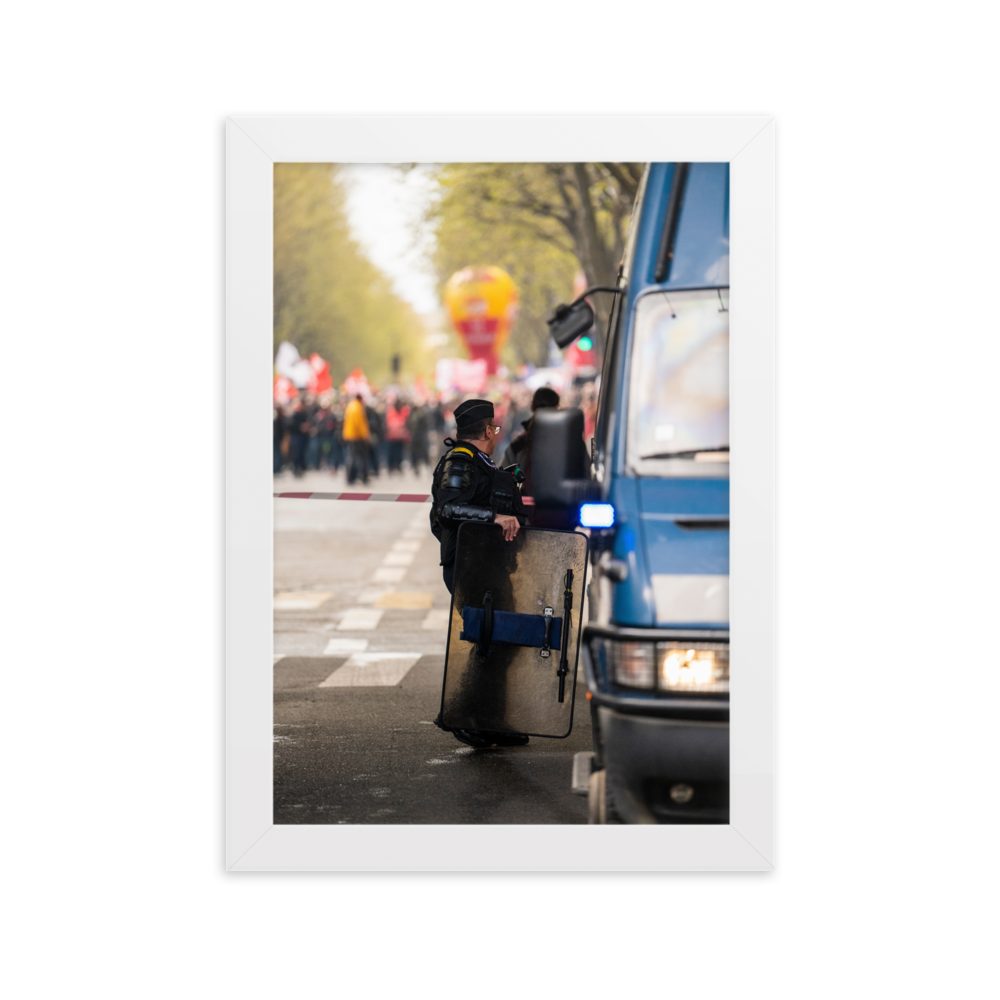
(514,634)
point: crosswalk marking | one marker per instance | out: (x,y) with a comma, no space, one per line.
(388,574)
(406,546)
(360,619)
(372,670)
(305,600)
(437,618)
(337,646)
(363,668)
(373,595)
(398,558)
(408,600)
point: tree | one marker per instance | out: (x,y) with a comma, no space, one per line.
(328,297)
(541,222)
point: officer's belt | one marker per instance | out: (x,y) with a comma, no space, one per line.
(511,627)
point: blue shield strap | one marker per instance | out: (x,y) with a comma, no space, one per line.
(510,627)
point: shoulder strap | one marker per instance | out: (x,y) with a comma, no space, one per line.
(452,445)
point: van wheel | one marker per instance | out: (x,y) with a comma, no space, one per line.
(600,807)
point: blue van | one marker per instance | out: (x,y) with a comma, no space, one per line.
(656,646)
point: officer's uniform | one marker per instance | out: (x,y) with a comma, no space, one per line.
(467,486)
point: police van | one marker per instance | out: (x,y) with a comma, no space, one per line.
(655,650)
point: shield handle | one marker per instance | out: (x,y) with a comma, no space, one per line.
(486,632)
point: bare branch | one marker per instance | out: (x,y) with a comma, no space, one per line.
(536,231)
(531,207)
(629,184)
(562,183)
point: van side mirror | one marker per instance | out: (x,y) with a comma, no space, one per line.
(560,470)
(570,322)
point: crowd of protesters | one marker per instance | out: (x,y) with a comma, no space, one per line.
(387,430)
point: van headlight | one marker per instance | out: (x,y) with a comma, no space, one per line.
(627,664)
(667,667)
(696,666)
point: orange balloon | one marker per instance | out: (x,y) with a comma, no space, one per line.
(482,303)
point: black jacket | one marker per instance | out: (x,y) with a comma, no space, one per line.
(467,486)
(518,453)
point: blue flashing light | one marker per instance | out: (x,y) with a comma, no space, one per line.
(597,515)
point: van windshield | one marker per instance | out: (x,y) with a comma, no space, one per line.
(678,410)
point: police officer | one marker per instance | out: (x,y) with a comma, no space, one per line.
(467,486)
(518,452)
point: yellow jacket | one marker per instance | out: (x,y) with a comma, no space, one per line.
(355,422)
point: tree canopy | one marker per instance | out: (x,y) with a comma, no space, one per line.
(542,223)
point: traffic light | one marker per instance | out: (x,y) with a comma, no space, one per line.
(582,354)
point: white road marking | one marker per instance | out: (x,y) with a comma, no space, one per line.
(388,574)
(373,595)
(437,618)
(398,558)
(278,656)
(372,670)
(408,600)
(307,600)
(360,619)
(405,546)
(418,534)
(337,646)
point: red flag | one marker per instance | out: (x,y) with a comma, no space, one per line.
(319,379)
(283,390)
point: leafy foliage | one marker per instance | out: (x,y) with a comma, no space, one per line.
(328,297)
(540,222)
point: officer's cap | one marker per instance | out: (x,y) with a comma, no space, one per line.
(472,411)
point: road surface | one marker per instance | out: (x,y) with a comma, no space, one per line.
(360,624)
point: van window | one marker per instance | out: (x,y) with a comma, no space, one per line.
(678,410)
(701,245)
